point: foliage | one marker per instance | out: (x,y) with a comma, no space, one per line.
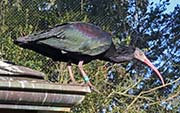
(124,87)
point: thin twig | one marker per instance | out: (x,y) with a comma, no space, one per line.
(151,90)
(165,100)
(132,96)
(130,87)
(156,88)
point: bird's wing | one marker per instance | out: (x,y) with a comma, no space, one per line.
(82,38)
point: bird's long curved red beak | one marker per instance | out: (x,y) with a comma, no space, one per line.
(138,54)
(147,61)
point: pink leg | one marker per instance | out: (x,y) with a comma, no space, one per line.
(86,79)
(69,67)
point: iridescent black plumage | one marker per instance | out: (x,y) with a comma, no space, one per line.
(71,42)
(80,43)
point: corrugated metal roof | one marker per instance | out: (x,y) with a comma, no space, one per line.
(28,92)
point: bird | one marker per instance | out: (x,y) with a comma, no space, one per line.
(80,43)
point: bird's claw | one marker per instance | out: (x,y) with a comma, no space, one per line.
(92,87)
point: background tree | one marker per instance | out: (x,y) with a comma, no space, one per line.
(125,87)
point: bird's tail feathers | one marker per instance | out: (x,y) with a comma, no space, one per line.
(42,35)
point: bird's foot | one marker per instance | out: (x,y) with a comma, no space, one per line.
(92,87)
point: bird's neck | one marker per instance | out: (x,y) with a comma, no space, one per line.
(122,54)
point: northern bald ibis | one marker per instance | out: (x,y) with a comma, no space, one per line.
(79,43)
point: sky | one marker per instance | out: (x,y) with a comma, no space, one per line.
(170,8)
(173,3)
